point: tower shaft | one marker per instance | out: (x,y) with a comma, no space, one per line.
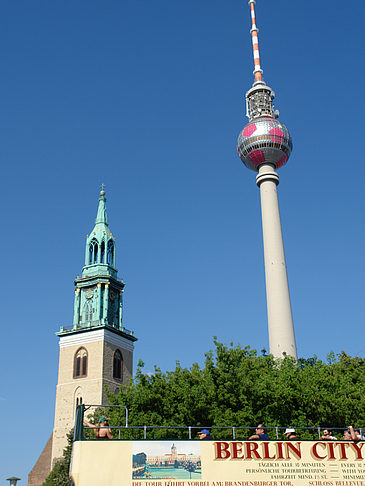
(280,320)
(264,145)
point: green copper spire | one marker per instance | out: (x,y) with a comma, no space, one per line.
(99,293)
(100,245)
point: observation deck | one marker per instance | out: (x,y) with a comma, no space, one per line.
(150,455)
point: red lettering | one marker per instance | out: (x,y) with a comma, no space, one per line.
(279,450)
(221,450)
(343,446)
(251,447)
(236,449)
(331,450)
(265,446)
(314,450)
(295,450)
(357,449)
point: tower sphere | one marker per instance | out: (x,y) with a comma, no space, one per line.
(264,140)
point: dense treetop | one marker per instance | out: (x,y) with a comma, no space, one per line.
(237,387)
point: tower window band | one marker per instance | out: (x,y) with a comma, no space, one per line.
(93,252)
(102,252)
(110,255)
(118,365)
(80,363)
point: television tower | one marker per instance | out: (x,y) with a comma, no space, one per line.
(263,146)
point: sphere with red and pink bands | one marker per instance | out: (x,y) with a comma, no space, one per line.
(264,141)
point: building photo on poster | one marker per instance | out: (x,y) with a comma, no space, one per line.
(163,460)
(249,463)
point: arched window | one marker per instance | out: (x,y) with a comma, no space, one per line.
(93,252)
(77,397)
(110,256)
(80,363)
(102,252)
(118,365)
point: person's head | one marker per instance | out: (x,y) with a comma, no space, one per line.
(103,421)
(289,432)
(347,435)
(327,433)
(260,429)
(203,434)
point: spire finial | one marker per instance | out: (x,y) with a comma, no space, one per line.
(255,44)
(101,217)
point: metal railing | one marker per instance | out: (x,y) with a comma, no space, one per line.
(148,432)
(96,323)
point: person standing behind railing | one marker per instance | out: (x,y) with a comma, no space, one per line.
(290,434)
(355,434)
(327,435)
(260,434)
(102,431)
(205,435)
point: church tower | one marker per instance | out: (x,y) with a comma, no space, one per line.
(97,350)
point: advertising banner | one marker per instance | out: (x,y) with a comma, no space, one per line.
(218,463)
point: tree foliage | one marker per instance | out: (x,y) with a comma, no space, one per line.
(237,387)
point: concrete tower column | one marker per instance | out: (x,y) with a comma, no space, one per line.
(280,320)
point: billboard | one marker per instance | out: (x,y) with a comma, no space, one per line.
(218,463)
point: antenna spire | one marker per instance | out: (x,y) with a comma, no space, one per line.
(255,44)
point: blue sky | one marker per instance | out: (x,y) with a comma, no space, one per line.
(148,97)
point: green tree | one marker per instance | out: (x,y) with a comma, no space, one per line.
(236,387)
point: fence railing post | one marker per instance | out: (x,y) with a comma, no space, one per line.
(277,433)
(145,432)
(126,417)
(189,432)
(234,433)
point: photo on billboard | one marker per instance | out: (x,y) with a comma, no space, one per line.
(166,460)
